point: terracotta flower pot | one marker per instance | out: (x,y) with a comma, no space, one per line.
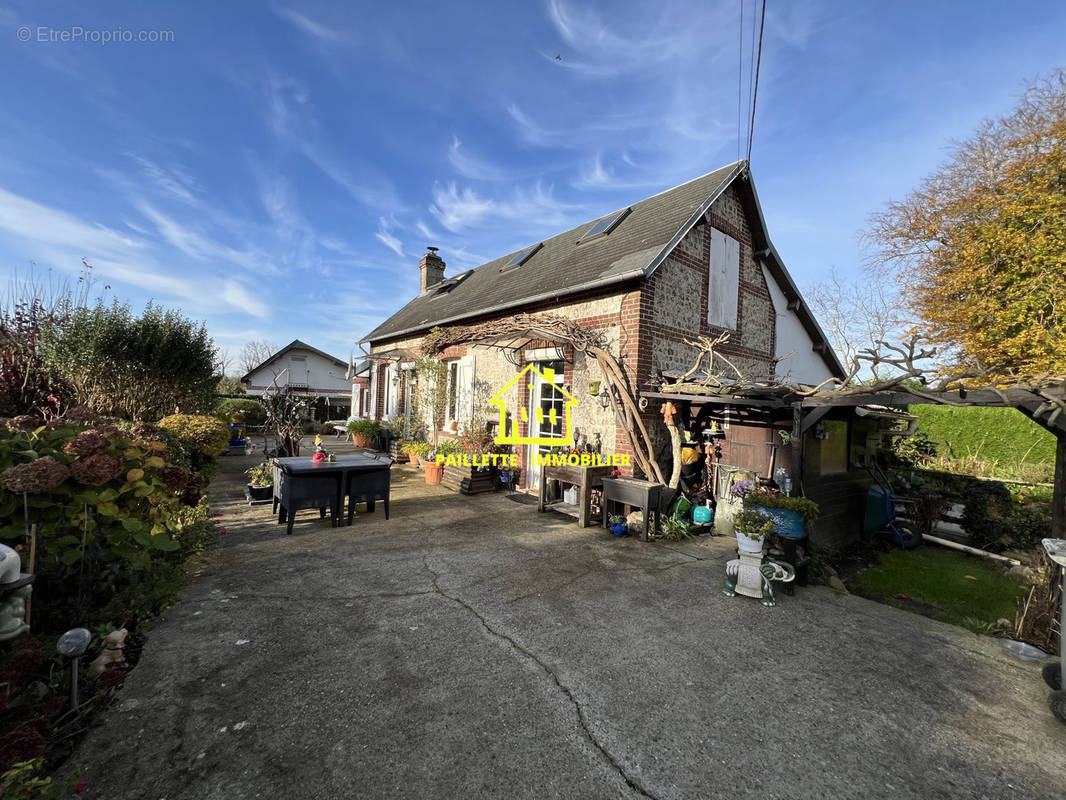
(412,458)
(359,440)
(433,472)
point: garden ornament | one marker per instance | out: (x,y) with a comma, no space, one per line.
(14,591)
(111,654)
(72,645)
(750,576)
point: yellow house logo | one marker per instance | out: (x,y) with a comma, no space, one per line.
(564,438)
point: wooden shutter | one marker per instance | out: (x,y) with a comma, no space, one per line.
(723,280)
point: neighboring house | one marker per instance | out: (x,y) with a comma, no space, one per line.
(693,260)
(306,370)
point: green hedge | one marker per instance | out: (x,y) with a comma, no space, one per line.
(1001,435)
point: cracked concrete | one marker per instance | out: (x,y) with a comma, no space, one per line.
(471,647)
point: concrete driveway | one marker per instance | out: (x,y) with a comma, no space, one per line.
(471,647)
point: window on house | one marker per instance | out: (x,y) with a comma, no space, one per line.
(297,358)
(453,391)
(723,280)
(522,256)
(604,226)
(834,448)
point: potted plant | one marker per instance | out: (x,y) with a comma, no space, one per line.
(410,449)
(261,481)
(364,432)
(751,527)
(791,515)
(619,526)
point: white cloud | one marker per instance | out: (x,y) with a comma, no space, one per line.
(54,237)
(386,238)
(323,34)
(601,52)
(199,246)
(175,182)
(471,166)
(532,209)
(239,297)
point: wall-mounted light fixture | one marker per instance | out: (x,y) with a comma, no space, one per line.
(605,398)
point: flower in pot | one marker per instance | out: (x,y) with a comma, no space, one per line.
(433,470)
(791,515)
(751,527)
(261,481)
(619,526)
(364,432)
(410,449)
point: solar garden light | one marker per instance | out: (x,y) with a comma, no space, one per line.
(72,645)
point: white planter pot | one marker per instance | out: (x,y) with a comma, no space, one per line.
(747,544)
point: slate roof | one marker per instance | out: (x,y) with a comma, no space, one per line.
(565,265)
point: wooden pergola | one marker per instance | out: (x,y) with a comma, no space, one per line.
(1041,406)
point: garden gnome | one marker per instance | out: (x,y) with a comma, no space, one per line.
(111,654)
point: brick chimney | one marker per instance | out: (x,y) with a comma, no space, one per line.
(432,269)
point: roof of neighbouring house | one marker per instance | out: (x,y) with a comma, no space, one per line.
(566,264)
(295,344)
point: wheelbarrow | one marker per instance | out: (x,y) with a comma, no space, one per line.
(883,507)
(1053,671)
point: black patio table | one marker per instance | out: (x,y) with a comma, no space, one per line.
(346,470)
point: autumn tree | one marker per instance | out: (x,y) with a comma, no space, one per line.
(979,249)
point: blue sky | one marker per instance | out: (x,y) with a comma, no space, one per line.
(277,170)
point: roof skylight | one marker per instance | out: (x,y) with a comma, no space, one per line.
(522,256)
(448,284)
(604,226)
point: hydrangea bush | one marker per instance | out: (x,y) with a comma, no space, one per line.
(108,501)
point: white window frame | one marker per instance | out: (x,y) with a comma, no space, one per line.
(451,407)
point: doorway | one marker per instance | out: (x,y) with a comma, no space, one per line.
(546,415)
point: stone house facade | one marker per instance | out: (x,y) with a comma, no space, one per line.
(692,261)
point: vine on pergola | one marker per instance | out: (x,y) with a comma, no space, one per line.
(714,373)
(591,342)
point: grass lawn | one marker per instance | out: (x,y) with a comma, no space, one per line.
(943,584)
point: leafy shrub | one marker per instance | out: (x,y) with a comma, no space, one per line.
(913,451)
(26,385)
(206,436)
(448,447)
(135,367)
(364,427)
(251,412)
(988,506)
(1026,525)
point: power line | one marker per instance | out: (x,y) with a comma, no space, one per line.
(755,91)
(740,74)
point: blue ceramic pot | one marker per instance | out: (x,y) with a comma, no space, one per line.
(619,529)
(787,523)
